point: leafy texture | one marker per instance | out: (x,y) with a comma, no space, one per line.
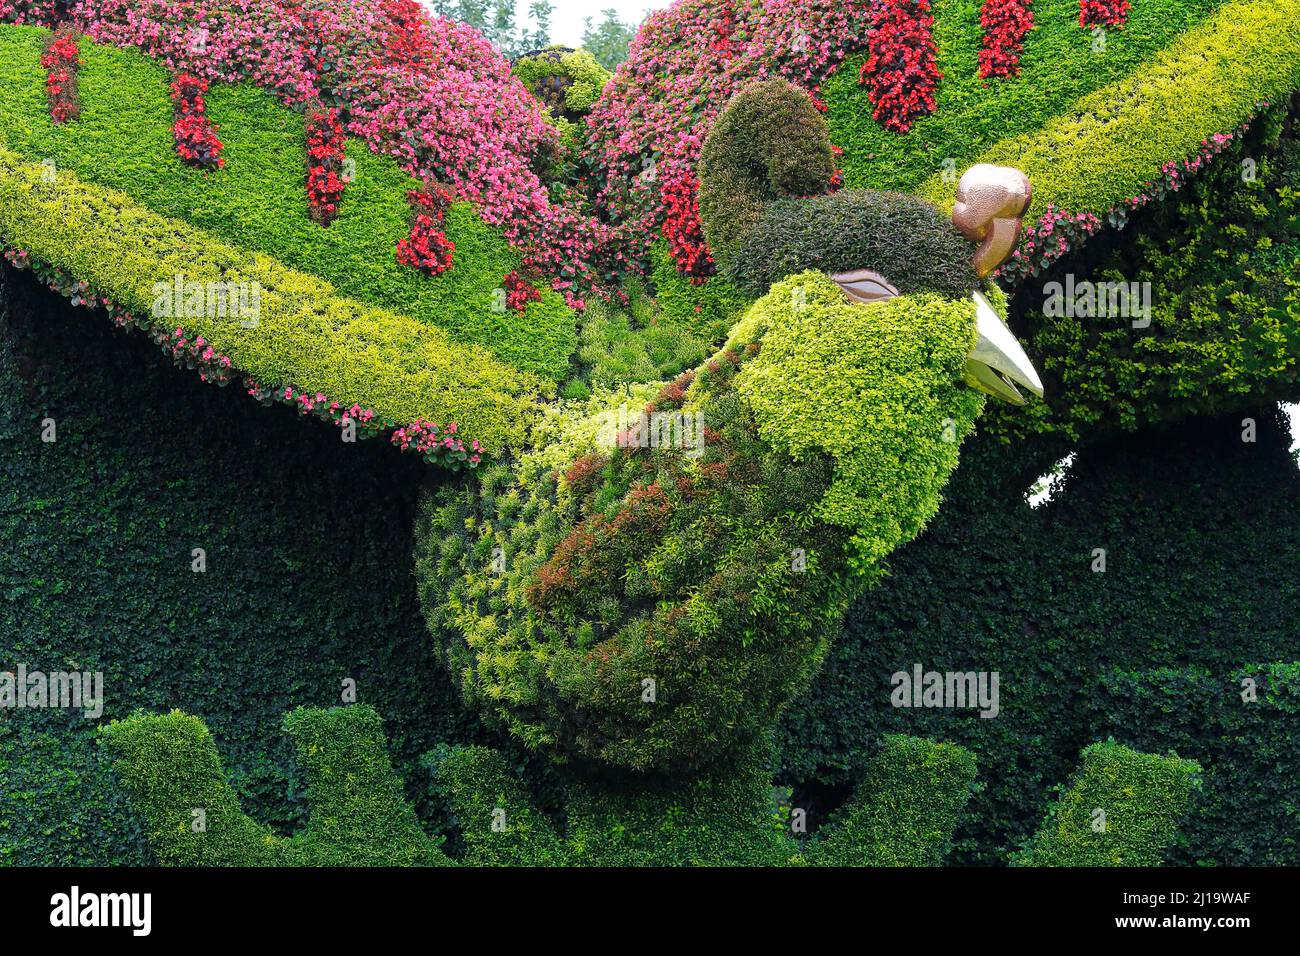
(1112,144)
(1121,809)
(656,605)
(306,335)
(170,767)
(259,202)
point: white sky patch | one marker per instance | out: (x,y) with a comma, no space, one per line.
(1041,491)
(566,21)
(567,17)
(1293,412)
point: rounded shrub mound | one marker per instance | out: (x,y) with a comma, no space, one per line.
(770,142)
(764,174)
(904,238)
(653,602)
(566,80)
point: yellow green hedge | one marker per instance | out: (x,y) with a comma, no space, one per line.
(1114,141)
(307,336)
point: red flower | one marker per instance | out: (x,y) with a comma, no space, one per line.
(1005,24)
(682,227)
(427,248)
(900,71)
(194,135)
(519,291)
(1103,13)
(324,165)
(60,60)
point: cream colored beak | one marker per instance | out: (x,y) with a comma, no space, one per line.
(998,364)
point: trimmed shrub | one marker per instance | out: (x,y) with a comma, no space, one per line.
(605,568)
(491,810)
(905,811)
(359,814)
(725,817)
(306,335)
(766,153)
(1240,725)
(770,142)
(905,239)
(1122,809)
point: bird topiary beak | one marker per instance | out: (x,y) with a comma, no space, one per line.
(997,363)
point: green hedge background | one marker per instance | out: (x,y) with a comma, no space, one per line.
(309,581)
(308,577)
(1200,531)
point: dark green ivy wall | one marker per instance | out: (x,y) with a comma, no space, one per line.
(308,576)
(1200,532)
(309,581)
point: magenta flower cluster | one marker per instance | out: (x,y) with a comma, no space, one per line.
(432,93)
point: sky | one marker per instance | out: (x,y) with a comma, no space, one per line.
(567,17)
(566,21)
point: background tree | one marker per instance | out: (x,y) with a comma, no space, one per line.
(539,11)
(608,41)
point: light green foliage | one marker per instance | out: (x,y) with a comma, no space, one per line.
(1059,64)
(902,813)
(1113,142)
(726,816)
(709,309)
(123,140)
(905,811)
(359,815)
(1122,809)
(877,388)
(1220,263)
(639,343)
(491,810)
(564,79)
(307,335)
(556,589)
